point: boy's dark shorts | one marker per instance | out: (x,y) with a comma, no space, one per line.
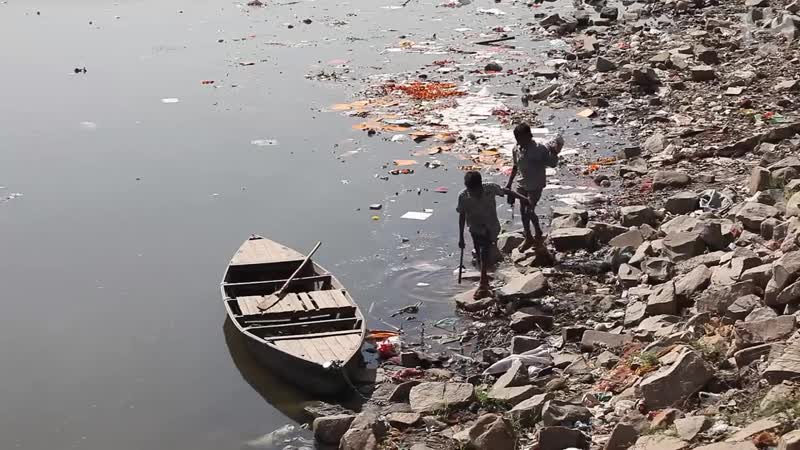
(483,245)
(532,195)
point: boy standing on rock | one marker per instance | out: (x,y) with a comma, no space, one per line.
(531,160)
(477,208)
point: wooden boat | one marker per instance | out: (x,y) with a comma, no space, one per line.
(312,337)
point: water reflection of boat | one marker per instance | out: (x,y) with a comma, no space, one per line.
(312,335)
(286,397)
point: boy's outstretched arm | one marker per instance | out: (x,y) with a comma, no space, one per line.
(511,176)
(462,220)
(510,193)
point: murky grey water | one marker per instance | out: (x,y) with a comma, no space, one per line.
(112,328)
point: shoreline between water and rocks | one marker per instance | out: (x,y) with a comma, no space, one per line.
(663,314)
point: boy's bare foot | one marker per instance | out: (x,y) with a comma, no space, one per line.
(526,244)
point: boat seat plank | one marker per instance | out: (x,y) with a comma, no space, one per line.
(300,303)
(340,298)
(319,349)
(299,337)
(246,288)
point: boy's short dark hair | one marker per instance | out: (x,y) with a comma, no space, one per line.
(522,130)
(473,180)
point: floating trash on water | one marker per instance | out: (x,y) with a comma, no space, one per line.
(442,190)
(91,126)
(170,100)
(345,181)
(375,207)
(404,162)
(415,215)
(491,11)
(433,164)
(376,217)
(423,284)
(264,142)
(398,138)
(10,197)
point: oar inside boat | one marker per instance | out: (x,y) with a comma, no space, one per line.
(272,300)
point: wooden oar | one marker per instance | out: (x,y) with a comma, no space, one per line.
(277,296)
(461,265)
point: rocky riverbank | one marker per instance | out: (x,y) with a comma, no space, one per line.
(663,317)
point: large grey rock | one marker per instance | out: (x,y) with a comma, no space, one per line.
(492,432)
(785,271)
(717,299)
(568,239)
(703,73)
(659,326)
(529,319)
(752,214)
(516,375)
(560,438)
(622,437)
(670,179)
(600,339)
(524,286)
(728,446)
(529,411)
(790,441)
(359,439)
(760,314)
(789,295)
(747,356)
(403,420)
(659,442)
(677,382)
(679,224)
(604,232)
(764,331)
(631,238)
(634,216)
(507,242)
(711,234)
(658,270)
(742,306)
(759,275)
(682,246)
(693,282)
(330,429)
(682,203)
(628,275)
(433,396)
(522,344)
(760,179)
(689,427)
(731,271)
(605,65)
(570,221)
(635,312)
(468,302)
(655,144)
(793,205)
(662,300)
(556,413)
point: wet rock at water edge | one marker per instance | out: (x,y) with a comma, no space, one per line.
(682,203)
(568,239)
(429,397)
(634,216)
(670,179)
(330,429)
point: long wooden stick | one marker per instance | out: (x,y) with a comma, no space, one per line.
(461,265)
(282,291)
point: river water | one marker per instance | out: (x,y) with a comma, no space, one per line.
(112,333)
